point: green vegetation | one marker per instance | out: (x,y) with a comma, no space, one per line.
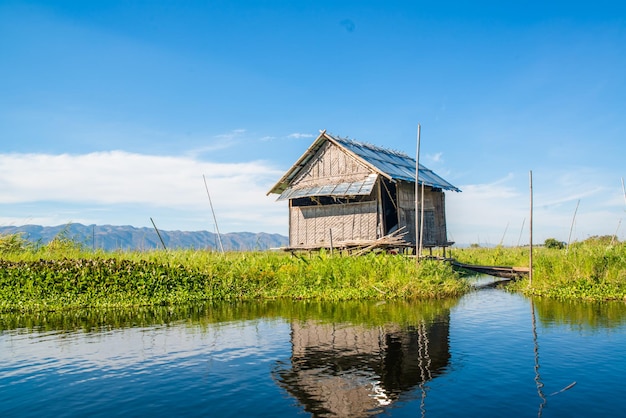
(593,270)
(62,274)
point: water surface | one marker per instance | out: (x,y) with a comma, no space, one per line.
(490,353)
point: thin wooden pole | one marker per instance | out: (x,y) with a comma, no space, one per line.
(530,257)
(520,232)
(417,176)
(330,231)
(219,238)
(614,237)
(159,234)
(506,228)
(422,220)
(571,228)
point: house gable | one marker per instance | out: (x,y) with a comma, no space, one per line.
(330,165)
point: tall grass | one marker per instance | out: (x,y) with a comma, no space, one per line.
(64,275)
(594,269)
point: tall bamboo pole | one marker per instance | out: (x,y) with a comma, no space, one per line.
(530,257)
(418,250)
(571,228)
(520,232)
(159,234)
(422,220)
(219,238)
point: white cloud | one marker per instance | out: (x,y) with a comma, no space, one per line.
(123,188)
(105,184)
(495,212)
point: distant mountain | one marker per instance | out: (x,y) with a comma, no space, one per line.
(110,237)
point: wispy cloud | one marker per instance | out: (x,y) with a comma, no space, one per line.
(484,212)
(218,142)
(300,136)
(435,158)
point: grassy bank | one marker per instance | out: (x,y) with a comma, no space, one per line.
(63,275)
(594,269)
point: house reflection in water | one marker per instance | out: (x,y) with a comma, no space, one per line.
(356,371)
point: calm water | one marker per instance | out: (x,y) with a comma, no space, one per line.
(489,353)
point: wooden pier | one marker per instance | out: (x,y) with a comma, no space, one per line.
(497,271)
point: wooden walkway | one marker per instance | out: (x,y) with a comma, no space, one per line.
(497,271)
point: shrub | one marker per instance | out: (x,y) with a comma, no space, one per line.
(554,243)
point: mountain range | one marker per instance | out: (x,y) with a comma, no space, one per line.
(111,237)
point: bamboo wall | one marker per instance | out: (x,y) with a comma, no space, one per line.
(435,233)
(311,225)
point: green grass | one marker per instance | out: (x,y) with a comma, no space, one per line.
(593,270)
(63,275)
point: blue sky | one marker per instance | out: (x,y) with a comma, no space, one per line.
(111,112)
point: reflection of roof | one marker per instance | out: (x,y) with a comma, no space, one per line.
(390,164)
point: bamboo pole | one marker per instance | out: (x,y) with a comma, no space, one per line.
(417,176)
(530,257)
(519,239)
(571,228)
(506,228)
(614,237)
(219,238)
(422,221)
(330,231)
(158,233)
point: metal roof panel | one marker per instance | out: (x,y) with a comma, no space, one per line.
(394,164)
(356,188)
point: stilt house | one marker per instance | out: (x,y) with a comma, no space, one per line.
(350,192)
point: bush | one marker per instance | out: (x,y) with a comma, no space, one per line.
(554,243)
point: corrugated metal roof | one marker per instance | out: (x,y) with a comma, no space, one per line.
(355,188)
(391,164)
(395,165)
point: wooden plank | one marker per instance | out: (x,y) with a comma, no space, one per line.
(498,271)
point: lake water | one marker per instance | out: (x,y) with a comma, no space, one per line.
(488,354)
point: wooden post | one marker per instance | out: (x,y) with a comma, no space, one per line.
(159,234)
(330,231)
(530,257)
(571,228)
(219,238)
(422,220)
(417,176)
